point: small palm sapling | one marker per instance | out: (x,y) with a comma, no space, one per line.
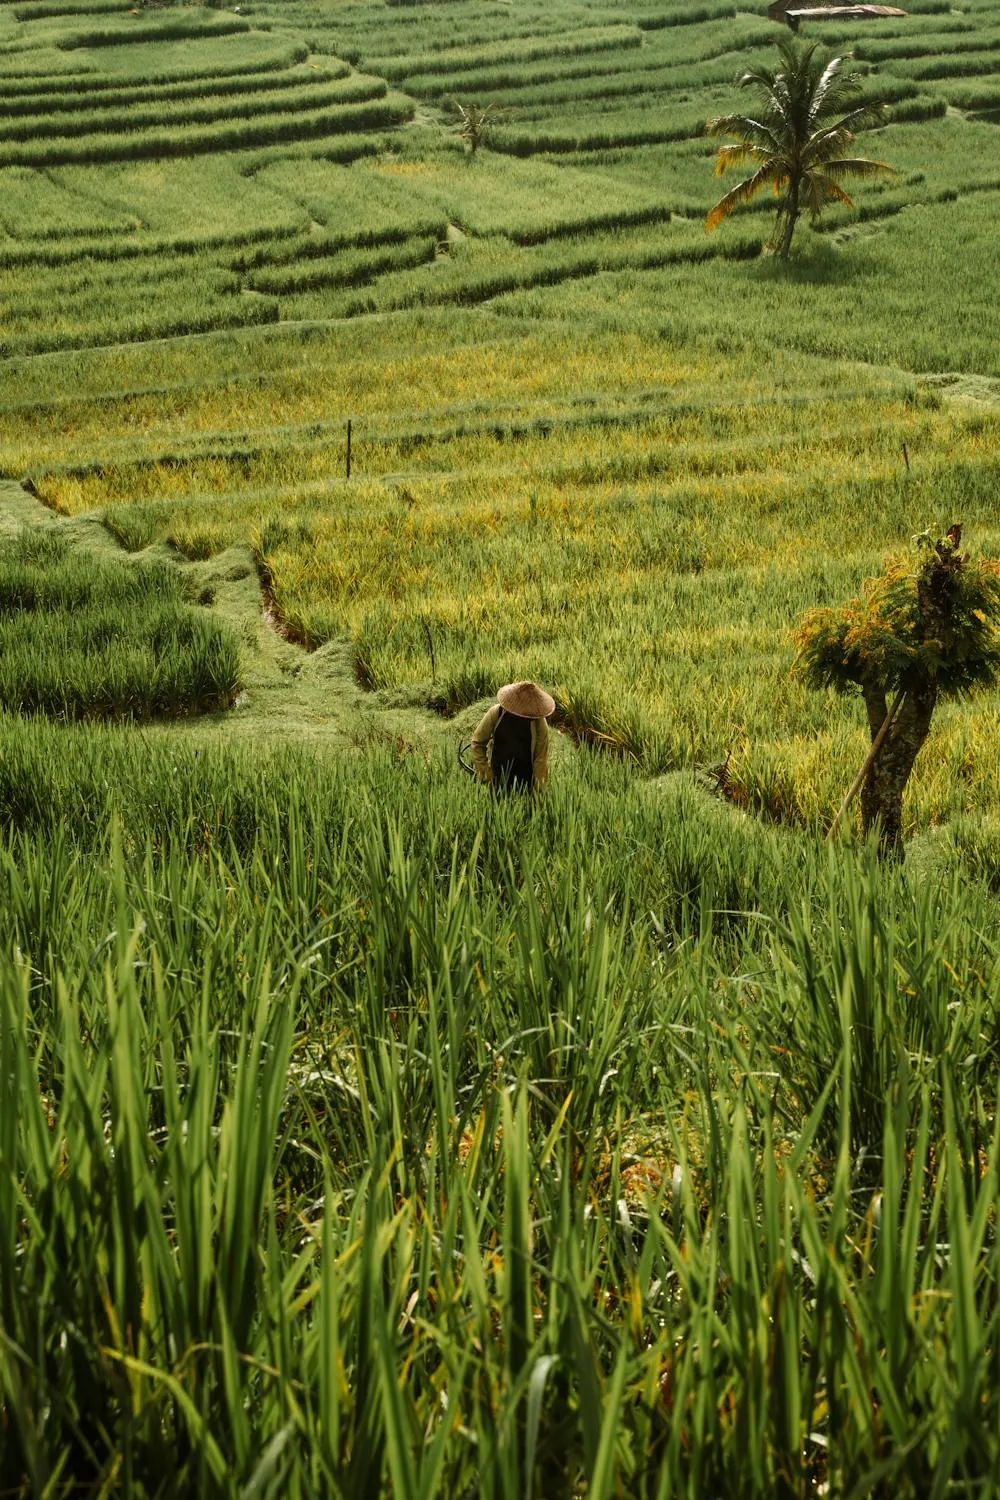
(474,124)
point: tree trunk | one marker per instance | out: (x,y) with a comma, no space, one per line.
(791,219)
(882,793)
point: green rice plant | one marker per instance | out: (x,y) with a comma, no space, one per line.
(873,330)
(299,251)
(954,64)
(34,10)
(34,204)
(688,15)
(254,55)
(377,1137)
(355,207)
(954,36)
(133,527)
(148,62)
(527,201)
(85,640)
(343,269)
(301,1183)
(106,93)
(917,109)
(154,249)
(203,301)
(610,130)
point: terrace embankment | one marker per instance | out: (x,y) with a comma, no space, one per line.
(291,695)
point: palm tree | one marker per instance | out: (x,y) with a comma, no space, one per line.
(799,139)
(474,124)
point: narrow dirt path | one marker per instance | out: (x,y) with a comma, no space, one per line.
(290,694)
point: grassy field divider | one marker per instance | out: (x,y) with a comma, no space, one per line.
(134,474)
(482,286)
(204,109)
(347,268)
(43,10)
(613,218)
(687,15)
(164,29)
(66,251)
(285,55)
(345,120)
(297,248)
(960,37)
(604,133)
(528,49)
(953,65)
(115,95)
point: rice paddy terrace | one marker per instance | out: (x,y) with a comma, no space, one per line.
(373,1136)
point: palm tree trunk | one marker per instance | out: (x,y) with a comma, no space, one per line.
(791,218)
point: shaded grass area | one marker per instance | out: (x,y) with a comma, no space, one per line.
(85,639)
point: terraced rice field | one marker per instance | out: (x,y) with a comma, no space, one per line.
(373,1136)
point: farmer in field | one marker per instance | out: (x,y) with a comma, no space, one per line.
(516,730)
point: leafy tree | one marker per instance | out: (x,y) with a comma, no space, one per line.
(798,139)
(918,636)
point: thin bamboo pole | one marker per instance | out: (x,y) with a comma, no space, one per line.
(855,785)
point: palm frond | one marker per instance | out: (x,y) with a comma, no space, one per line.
(743,192)
(800,137)
(827,80)
(795,55)
(762,78)
(831,141)
(842,93)
(747,130)
(741,155)
(744,127)
(819,190)
(859,167)
(826,145)
(865,117)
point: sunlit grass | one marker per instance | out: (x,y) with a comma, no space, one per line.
(646,555)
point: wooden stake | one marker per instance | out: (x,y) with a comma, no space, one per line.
(906,459)
(348,447)
(855,785)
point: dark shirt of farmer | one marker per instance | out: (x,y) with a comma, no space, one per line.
(511,745)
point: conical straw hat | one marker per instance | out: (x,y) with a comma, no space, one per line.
(526,699)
